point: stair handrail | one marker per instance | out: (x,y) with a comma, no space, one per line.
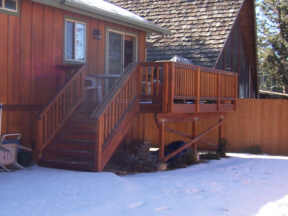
(52,118)
(119,105)
(113,93)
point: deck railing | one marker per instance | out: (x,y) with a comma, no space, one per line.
(112,117)
(55,114)
(172,83)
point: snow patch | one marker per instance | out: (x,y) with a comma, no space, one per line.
(242,185)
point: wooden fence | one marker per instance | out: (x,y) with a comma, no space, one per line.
(260,122)
(256,124)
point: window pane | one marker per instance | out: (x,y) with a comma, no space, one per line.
(1,4)
(69,40)
(11,4)
(80,42)
(129,50)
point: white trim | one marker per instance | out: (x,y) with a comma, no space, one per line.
(7,9)
(75,21)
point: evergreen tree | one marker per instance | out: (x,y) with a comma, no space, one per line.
(273,42)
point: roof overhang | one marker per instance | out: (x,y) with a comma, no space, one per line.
(112,16)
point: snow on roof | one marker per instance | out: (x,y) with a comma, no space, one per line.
(111,11)
(108,7)
(104,10)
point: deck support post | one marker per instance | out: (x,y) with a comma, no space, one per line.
(220,137)
(162,140)
(194,134)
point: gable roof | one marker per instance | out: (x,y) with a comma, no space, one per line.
(106,11)
(199,28)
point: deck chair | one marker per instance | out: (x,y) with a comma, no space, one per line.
(9,146)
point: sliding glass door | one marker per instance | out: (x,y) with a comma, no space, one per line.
(121,50)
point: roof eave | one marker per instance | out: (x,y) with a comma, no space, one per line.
(103,15)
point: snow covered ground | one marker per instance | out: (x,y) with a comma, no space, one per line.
(241,185)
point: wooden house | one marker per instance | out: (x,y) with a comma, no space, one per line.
(219,34)
(74,79)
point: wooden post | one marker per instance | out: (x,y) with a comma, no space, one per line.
(172,88)
(165,88)
(218,92)
(39,144)
(236,92)
(162,140)
(220,136)
(198,89)
(194,134)
(99,144)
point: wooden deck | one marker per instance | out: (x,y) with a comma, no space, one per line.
(169,89)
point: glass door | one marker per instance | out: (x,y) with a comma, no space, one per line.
(121,51)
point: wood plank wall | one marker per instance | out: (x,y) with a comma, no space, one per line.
(257,122)
(31,47)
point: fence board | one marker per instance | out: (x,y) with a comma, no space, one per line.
(256,122)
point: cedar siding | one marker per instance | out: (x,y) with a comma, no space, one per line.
(31,50)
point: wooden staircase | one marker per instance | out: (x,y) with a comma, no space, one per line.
(70,136)
(73,147)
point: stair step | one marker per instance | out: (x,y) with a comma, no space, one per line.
(73,145)
(78,135)
(78,131)
(77,156)
(70,165)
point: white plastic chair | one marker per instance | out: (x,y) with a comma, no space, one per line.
(9,146)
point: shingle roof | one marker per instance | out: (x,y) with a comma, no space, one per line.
(199,27)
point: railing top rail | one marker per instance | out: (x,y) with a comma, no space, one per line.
(152,63)
(190,66)
(204,69)
(62,90)
(114,92)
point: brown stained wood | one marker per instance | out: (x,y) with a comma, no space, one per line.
(198,89)
(119,134)
(146,71)
(152,81)
(218,92)
(171,87)
(100,142)
(157,81)
(194,140)
(162,140)
(165,90)
(49,115)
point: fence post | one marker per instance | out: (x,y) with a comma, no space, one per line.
(198,89)
(236,92)
(218,91)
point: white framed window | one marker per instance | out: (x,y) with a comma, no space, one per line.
(9,5)
(75,41)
